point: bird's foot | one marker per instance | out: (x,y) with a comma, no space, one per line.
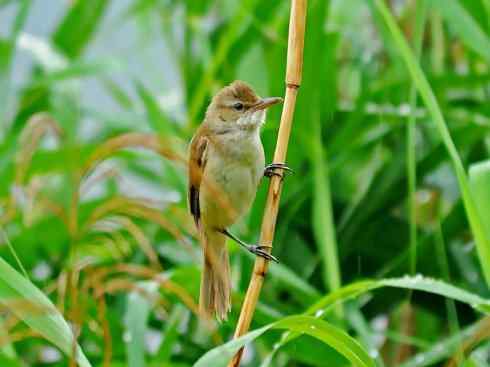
(270,170)
(259,250)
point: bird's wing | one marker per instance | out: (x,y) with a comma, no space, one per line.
(197,163)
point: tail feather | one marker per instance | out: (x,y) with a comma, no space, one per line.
(215,295)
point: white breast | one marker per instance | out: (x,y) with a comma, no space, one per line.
(233,171)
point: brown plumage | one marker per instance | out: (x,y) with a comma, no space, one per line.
(226,162)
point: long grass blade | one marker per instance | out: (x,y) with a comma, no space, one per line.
(321,308)
(329,334)
(430,101)
(411,148)
(29,304)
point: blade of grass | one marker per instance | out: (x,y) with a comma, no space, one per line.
(316,105)
(420,16)
(319,329)
(37,311)
(78,26)
(323,223)
(451,312)
(417,282)
(353,290)
(479,174)
(13,252)
(425,91)
(322,216)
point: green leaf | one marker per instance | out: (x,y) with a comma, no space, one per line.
(480,187)
(417,282)
(36,310)
(441,288)
(319,329)
(463,24)
(78,26)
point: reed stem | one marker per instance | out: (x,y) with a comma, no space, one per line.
(294,69)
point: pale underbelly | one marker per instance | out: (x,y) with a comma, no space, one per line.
(227,193)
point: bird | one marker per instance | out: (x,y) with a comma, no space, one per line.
(226,163)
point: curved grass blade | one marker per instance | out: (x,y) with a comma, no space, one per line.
(417,282)
(29,304)
(356,289)
(430,101)
(319,329)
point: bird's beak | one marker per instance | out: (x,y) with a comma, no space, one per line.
(266,103)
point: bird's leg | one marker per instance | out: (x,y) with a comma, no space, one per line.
(269,170)
(254,249)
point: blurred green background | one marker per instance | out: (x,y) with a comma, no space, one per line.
(98,100)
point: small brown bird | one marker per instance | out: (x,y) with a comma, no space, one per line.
(226,164)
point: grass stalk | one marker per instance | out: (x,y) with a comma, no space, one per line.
(451,311)
(411,149)
(293,81)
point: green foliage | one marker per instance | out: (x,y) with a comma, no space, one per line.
(390,148)
(319,329)
(30,305)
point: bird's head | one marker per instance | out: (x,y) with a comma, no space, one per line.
(237,105)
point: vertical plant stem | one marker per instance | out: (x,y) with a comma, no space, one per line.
(411,130)
(452,314)
(293,80)
(323,222)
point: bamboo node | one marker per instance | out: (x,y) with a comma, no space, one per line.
(292,85)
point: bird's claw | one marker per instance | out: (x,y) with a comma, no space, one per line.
(269,170)
(259,251)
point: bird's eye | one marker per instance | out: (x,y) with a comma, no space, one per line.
(238,106)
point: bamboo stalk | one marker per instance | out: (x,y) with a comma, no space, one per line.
(294,68)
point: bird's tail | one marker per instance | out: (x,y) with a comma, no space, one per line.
(215,295)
